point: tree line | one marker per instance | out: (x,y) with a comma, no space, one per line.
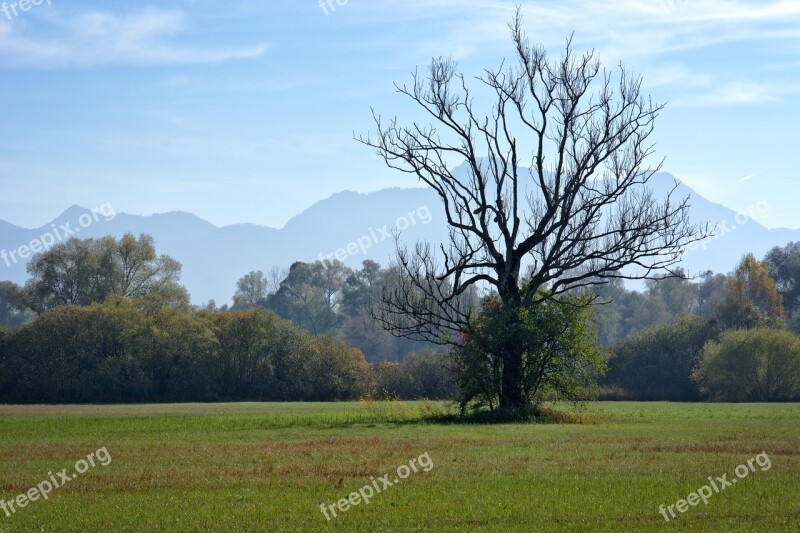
(327,297)
(107,321)
(727,337)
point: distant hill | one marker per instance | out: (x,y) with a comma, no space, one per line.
(215,258)
(356,225)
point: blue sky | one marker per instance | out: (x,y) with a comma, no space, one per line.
(244,111)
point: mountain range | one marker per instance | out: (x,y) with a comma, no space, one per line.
(348,226)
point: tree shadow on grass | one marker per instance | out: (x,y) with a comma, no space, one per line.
(540,415)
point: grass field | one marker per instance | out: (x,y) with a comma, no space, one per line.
(268,467)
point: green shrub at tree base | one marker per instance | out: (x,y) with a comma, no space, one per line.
(561,356)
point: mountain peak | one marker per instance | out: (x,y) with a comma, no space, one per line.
(73,211)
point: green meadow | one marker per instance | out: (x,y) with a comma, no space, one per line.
(269,467)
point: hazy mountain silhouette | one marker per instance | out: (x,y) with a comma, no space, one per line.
(215,258)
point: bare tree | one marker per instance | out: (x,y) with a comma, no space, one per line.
(556,180)
(274,278)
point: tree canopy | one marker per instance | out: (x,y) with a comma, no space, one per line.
(85,271)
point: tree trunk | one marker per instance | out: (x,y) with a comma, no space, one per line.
(514,403)
(512,397)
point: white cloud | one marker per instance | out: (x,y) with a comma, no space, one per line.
(673,74)
(658,38)
(739,93)
(144,37)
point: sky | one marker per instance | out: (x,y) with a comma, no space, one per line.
(245,111)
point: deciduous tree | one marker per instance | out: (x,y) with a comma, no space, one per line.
(784,268)
(759,364)
(82,272)
(556,177)
(750,298)
(251,291)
